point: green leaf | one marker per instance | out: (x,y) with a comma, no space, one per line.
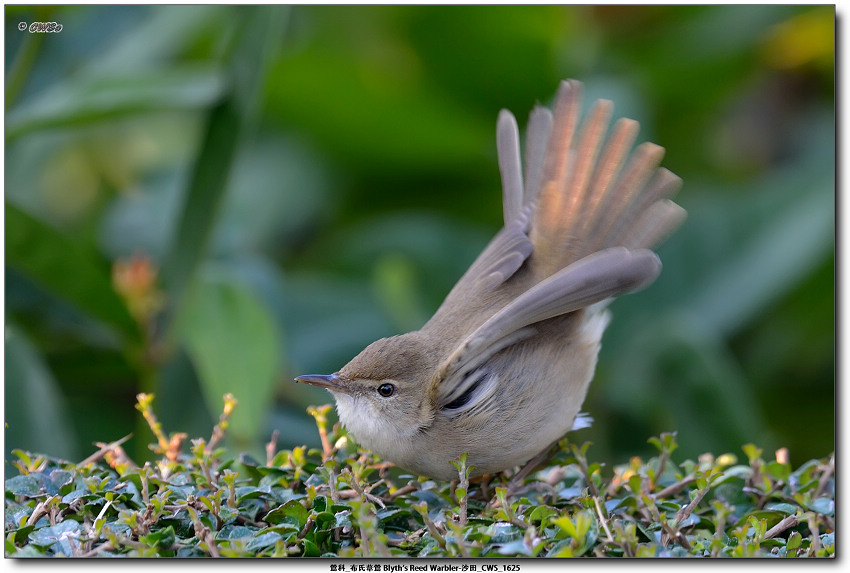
(794,540)
(233,343)
(291,512)
(265,539)
(89,99)
(324,520)
(517,547)
(36,415)
(567,526)
(320,503)
(562,548)
(235,532)
(225,126)
(23,485)
(57,536)
(780,252)
(62,480)
(822,505)
(163,538)
(70,271)
(752,452)
(778,471)
(786,508)
(540,514)
(311,549)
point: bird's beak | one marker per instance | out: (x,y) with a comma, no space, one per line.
(327,381)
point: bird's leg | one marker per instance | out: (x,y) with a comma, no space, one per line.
(481,492)
(537,462)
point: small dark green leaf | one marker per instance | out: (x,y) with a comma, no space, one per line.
(162,538)
(57,536)
(822,505)
(786,508)
(264,539)
(291,512)
(778,471)
(82,493)
(23,485)
(235,532)
(320,503)
(325,520)
(540,514)
(311,549)
(62,480)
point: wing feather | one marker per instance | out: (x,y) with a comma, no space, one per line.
(605,274)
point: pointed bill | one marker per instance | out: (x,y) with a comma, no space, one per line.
(326,381)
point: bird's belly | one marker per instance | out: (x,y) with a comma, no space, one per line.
(528,413)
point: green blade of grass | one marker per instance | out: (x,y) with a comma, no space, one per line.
(93,99)
(226,125)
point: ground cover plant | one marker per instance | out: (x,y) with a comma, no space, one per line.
(340,501)
(201,198)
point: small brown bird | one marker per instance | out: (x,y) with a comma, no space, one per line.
(502,368)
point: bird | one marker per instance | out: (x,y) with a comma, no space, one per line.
(501,369)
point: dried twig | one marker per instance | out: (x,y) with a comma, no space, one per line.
(786,523)
(683,513)
(271,448)
(603,521)
(675,488)
(307,527)
(223,421)
(404,490)
(824,478)
(104,448)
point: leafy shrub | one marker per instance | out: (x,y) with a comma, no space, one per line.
(341,501)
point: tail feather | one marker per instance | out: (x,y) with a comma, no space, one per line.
(547,229)
(586,154)
(619,143)
(577,197)
(664,185)
(617,211)
(653,225)
(652,208)
(565,118)
(510,165)
(588,200)
(536,141)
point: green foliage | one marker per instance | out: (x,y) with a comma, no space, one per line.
(334,167)
(77,275)
(344,502)
(233,343)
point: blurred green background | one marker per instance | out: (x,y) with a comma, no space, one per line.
(211,199)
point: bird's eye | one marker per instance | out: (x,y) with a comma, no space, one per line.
(386,390)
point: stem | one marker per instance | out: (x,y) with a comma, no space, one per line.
(20,69)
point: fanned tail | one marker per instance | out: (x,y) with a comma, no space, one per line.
(586,194)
